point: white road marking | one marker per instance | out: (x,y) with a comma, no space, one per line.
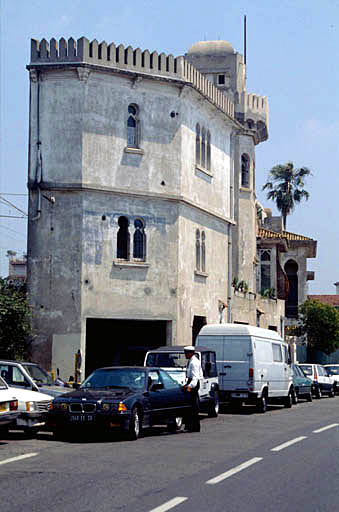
(289,443)
(169,504)
(19,457)
(325,428)
(233,471)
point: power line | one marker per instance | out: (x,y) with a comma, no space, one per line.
(13,206)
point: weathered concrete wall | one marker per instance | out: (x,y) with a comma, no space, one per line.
(245,308)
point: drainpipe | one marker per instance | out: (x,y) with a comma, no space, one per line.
(229,278)
(38,169)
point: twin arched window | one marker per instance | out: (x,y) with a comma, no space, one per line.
(200,250)
(133,135)
(245,170)
(202,148)
(123,239)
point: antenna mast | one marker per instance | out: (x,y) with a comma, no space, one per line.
(245,46)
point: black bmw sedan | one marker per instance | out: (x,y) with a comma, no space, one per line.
(123,398)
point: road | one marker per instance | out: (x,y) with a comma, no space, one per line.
(286,459)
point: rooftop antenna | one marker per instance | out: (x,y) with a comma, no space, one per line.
(245,46)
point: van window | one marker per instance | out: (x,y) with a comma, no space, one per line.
(213,363)
(237,348)
(277,354)
(263,351)
(286,354)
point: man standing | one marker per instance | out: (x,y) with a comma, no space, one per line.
(193,374)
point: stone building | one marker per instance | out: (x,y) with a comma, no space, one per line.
(142,204)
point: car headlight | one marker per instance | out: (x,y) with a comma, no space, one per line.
(31,406)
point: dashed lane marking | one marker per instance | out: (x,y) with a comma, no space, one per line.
(19,457)
(233,471)
(169,504)
(325,428)
(289,443)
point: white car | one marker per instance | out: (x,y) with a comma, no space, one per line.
(8,406)
(333,371)
(33,408)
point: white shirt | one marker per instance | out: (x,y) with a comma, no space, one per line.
(194,371)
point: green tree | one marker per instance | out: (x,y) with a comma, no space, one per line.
(320,324)
(15,320)
(285,187)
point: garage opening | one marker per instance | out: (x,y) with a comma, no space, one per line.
(121,342)
(198,323)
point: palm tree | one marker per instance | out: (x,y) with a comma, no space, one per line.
(285,187)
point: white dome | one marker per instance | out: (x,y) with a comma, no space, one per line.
(215,48)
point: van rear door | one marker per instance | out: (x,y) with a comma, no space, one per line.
(237,359)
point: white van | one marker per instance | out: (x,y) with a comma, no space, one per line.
(253,364)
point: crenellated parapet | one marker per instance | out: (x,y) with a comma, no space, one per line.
(83,51)
(252,111)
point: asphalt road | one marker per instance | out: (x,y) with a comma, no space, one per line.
(286,459)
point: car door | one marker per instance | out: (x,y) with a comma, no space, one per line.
(163,401)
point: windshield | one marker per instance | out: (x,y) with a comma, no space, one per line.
(166,360)
(38,375)
(115,378)
(307,369)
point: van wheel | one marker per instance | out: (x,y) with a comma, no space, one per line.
(213,406)
(318,393)
(295,396)
(262,404)
(288,400)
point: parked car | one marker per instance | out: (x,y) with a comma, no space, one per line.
(173,361)
(8,406)
(333,371)
(302,384)
(253,364)
(126,399)
(33,408)
(322,383)
(21,374)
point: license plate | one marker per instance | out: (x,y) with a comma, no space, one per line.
(3,407)
(239,395)
(82,418)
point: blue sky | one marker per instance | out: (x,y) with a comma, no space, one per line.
(292,57)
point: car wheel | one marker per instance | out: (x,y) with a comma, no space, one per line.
(31,432)
(213,407)
(3,431)
(295,396)
(309,397)
(262,403)
(288,400)
(331,393)
(134,425)
(318,393)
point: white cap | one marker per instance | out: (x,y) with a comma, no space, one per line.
(189,348)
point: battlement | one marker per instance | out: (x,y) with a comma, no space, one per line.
(252,111)
(83,51)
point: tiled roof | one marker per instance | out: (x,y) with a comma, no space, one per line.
(268,233)
(330,300)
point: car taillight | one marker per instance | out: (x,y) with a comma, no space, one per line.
(251,373)
(13,406)
(315,374)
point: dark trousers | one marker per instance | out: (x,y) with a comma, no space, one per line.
(192,420)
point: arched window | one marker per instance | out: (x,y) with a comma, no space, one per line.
(139,240)
(291,305)
(197,249)
(265,271)
(197,145)
(203,148)
(208,152)
(123,239)
(133,126)
(203,251)
(245,170)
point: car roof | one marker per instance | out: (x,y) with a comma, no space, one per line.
(179,348)
(18,362)
(144,368)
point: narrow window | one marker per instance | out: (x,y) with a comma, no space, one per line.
(123,239)
(265,270)
(221,79)
(197,145)
(203,148)
(133,126)
(197,249)
(139,240)
(208,152)
(245,170)
(203,252)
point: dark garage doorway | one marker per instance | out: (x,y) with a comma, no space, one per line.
(198,323)
(121,342)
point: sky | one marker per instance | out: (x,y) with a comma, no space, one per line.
(292,58)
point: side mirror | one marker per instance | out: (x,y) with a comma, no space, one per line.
(157,386)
